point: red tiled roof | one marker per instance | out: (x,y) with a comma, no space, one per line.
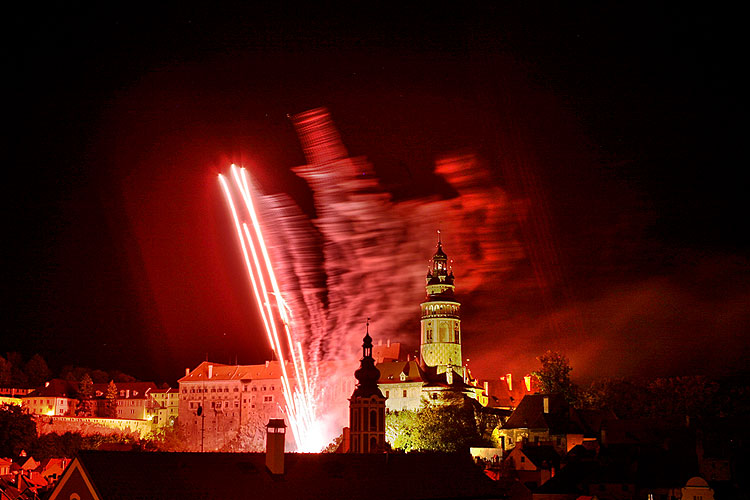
(390,372)
(55,388)
(270,370)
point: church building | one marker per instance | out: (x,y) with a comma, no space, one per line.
(367,405)
(439,366)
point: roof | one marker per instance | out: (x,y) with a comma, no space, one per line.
(55,388)
(165,391)
(269,370)
(530,414)
(118,475)
(390,372)
(542,455)
(388,352)
(133,390)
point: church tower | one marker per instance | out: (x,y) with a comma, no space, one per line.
(367,405)
(440,344)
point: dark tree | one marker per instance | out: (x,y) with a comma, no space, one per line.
(100,376)
(5,370)
(37,371)
(85,397)
(110,407)
(17,375)
(17,430)
(554,376)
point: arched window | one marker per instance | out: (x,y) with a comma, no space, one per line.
(373,420)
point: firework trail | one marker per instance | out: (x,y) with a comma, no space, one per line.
(364,255)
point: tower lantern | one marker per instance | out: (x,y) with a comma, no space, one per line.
(440,345)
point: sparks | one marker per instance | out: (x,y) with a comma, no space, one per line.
(299,406)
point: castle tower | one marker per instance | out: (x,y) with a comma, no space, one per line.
(367,405)
(440,344)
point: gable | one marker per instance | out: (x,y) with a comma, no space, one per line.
(75,483)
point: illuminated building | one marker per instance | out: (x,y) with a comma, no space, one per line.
(367,406)
(57,397)
(230,396)
(215,400)
(164,406)
(407,383)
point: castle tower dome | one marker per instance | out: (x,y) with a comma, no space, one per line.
(440,344)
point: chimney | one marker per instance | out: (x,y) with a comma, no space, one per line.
(187,371)
(545,402)
(210,371)
(275,435)
(345,443)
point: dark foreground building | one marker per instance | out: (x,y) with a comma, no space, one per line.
(141,475)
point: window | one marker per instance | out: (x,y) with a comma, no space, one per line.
(404,392)
(271,387)
(255,389)
(236,389)
(433,395)
(268,399)
(387,393)
(213,390)
(523,459)
(226,389)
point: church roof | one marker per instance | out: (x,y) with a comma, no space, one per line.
(119,475)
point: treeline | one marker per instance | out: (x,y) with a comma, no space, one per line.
(695,396)
(15,372)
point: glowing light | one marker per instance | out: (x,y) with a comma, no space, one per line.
(299,404)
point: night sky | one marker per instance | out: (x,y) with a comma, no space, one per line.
(616,125)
